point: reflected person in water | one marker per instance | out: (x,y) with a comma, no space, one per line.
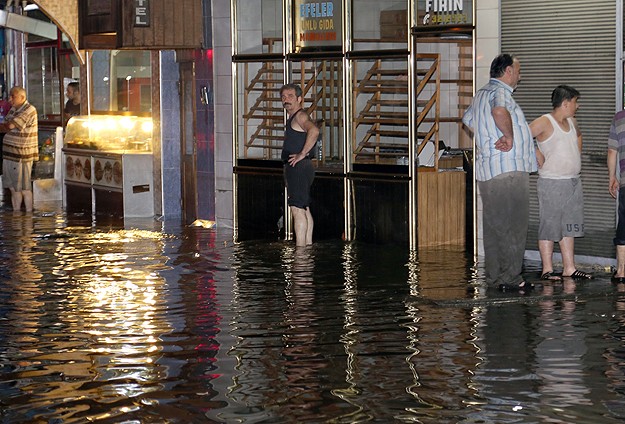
(299,140)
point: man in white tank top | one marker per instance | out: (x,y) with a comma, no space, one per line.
(560,197)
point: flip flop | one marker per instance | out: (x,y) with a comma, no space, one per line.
(579,275)
(550,276)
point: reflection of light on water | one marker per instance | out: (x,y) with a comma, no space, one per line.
(413,273)
(119,290)
(350,337)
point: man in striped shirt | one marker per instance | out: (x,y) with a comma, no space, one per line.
(504,158)
(20,149)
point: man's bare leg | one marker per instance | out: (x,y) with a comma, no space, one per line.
(620,261)
(28,200)
(546,256)
(309,228)
(16,200)
(568,255)
(300,225)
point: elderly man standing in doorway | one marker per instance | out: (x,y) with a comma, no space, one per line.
(20,149)
(504,159)
(299,140)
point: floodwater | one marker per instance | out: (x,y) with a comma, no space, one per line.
(151,322)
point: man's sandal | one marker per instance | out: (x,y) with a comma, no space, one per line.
(550,276)
(579,275)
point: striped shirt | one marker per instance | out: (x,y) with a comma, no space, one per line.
(616,141)
(21,144)
(490,162)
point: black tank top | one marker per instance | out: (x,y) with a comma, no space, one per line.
(293,140)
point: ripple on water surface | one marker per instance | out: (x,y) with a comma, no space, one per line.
(153,322)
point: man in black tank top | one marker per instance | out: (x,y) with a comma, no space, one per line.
(299,139)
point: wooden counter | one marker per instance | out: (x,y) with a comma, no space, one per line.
(441,208)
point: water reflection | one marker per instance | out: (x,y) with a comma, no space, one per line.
(613,396)
(559,354)
(433,331)
(152,322)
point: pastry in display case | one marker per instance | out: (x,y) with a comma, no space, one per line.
(109,133)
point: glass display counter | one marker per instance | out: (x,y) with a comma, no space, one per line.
(44,167)
(108,165)
(107,133)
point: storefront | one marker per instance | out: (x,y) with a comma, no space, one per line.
(108,160)
(40,58)
(387,83)
(135,62)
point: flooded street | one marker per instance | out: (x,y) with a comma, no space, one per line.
(151,322)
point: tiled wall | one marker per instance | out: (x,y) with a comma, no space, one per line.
(488,43)
(205,139)
(222,54)
(170,135)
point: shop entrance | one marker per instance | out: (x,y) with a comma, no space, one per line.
(443,89)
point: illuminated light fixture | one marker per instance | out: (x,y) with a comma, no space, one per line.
(97,125)
(127,123)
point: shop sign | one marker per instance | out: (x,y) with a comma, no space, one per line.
(317,23)
(444,12)
(142,13)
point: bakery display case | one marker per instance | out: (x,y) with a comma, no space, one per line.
(108,165)
(109,133)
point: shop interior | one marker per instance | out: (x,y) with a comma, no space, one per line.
(388,99)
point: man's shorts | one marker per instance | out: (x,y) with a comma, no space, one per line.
(561,208)
(16,175)
(299,179)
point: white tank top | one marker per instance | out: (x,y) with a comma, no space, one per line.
(562,156)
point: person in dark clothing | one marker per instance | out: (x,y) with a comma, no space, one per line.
(300,138)
(72,106)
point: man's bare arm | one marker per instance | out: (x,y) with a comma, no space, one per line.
(614,183)
(503,121)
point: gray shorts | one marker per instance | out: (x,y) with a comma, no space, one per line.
(561,208)
(16,175)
